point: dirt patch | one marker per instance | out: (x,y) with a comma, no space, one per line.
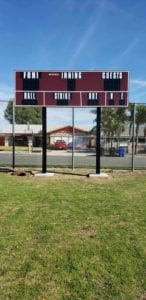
(22,172)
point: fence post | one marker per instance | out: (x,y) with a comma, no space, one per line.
(133,138)
(73,137)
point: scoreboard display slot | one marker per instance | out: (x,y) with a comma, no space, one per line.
(71,84)
(30,80)
(111,84)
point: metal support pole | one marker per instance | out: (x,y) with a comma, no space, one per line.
(73,136)
(133,138)
(98,126)
(44,140)
(13,137)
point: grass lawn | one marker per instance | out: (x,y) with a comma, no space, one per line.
(20,148)
(71,237)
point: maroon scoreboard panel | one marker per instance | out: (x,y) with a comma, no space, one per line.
(72,88)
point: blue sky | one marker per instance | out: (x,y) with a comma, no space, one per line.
(73,34)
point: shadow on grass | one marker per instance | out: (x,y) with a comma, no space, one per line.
(70,173)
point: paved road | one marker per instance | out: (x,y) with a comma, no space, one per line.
(65,158)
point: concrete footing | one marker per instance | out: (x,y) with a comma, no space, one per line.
(101,175)
(44,174)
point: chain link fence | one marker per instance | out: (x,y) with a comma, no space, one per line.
(122,144)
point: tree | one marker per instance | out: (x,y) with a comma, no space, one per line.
(140,119)
(121,118)
(113,122)
(130,112)
(109,123)
(23,115)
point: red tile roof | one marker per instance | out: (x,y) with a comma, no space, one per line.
(68,129)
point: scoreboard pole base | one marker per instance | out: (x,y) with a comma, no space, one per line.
(101,175)
(44,174)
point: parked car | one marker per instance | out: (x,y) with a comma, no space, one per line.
(77,145)
(60,145)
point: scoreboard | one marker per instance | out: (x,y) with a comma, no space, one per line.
(71,88)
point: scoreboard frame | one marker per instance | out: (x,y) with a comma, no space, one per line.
(67,88)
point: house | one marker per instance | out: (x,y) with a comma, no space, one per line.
(25,134)
(81,136)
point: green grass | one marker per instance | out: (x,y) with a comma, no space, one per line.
(17,148)
(70,237)
(20,148)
